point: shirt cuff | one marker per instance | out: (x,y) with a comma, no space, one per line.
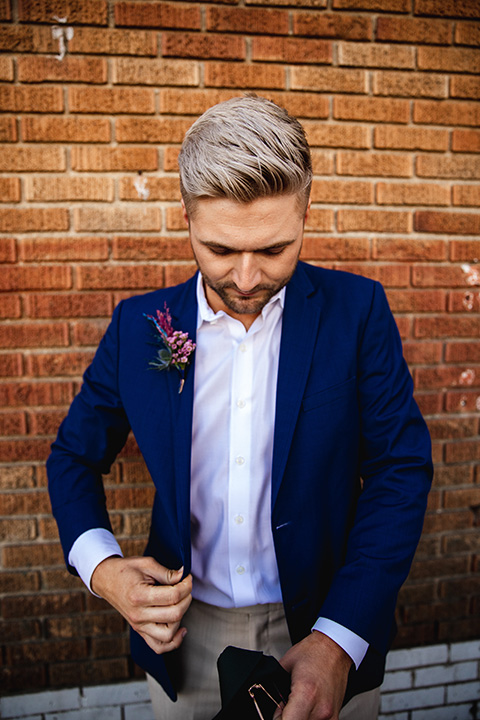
(89,550)
(353,644)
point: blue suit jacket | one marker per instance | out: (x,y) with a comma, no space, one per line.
(351,462)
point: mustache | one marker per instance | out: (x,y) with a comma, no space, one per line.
(257,288)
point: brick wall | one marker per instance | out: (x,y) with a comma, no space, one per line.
(95,97)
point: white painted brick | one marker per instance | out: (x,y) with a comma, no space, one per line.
(417,657)
(140,712)
(34,703)
(465,651)
(395,716)
(118,694)
(400,680)
(105,713)
(446,674)
(412,699)
(26,717)
(463,692)
(449,712)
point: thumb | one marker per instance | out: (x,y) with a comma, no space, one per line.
(161,574)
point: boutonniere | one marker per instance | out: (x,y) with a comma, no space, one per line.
(177,347)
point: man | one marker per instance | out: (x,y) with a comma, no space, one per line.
(291,469)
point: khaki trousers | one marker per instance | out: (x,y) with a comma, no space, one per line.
(210,630)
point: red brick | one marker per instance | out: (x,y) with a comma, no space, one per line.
(31,99)
(465,87)
(447,8)
(320,220)
(462,352)
(439,378)
(12,423)
(47,277)
(93,12)
(31,450)
(348,136)
(149,188)
(97,41)
(9,189)
(407,84)
(46,249)
(18,394)
(65,129)
(27,39)
(332,25)
(449,59)
(374,164)
(389,276)
(451,428)
(136,276)
(464,167)
(31,159)
(371,109)
(150,248)
(89,332)
(129,219)
(8,250)
(11,365)
(465,250)
(58,364)
(157,15)
(466,141)
(67,674)
(447,521)
(70,69)
(109,159)
(239,75)
(133,71)
(291,50)
(64,188)
(170,159)
(6,68)
(373,55)
(453,475)
(10,306)
(464,401)
(429,403)
(111,101)
(437,276)
(8,129)
(397,193)
(318,248)
(175,274)
(47,422)
(26,335)
(447,326)
(376,5)
(33,219)
(342,192)
(467,195)
(247,20)
(5,10)
(414,30)
(446,112)
(456,223)
(467,33)
(329,80)
(460,302)
(49,305)
(196,46)
(408,249)
(374,221)
(151,130)
(410,138)
(417,353)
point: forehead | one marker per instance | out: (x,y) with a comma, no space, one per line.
(247,225)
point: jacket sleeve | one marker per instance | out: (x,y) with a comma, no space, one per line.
(396,471)
(89,439)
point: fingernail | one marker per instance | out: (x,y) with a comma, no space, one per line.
(184,632)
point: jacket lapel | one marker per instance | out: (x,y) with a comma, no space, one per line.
(300,326)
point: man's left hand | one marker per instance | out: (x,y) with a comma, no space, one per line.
(319,670)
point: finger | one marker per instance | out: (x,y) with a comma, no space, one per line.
(162,614)
(164,647)
(165,595)
(159,573)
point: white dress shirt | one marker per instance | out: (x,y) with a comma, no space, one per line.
(233,557)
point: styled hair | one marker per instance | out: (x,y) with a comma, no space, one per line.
(243,149)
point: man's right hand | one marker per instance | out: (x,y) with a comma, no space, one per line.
(150,597)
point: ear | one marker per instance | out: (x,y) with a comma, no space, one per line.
(307,211)
(184,211)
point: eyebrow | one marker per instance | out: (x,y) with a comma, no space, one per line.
(219,246)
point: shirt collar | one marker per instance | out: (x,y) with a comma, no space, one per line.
(206,314)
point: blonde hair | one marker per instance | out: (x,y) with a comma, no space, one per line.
(244,149)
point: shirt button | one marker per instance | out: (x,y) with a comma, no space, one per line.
(239,569)
(238,519)
(240,460)
(241,403)
(243,347)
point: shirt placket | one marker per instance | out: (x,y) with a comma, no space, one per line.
(240,473)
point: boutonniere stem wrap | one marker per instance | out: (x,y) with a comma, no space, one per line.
(177,347)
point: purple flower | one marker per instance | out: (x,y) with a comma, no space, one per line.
(177,347)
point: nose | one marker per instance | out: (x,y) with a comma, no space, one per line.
(246,272)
